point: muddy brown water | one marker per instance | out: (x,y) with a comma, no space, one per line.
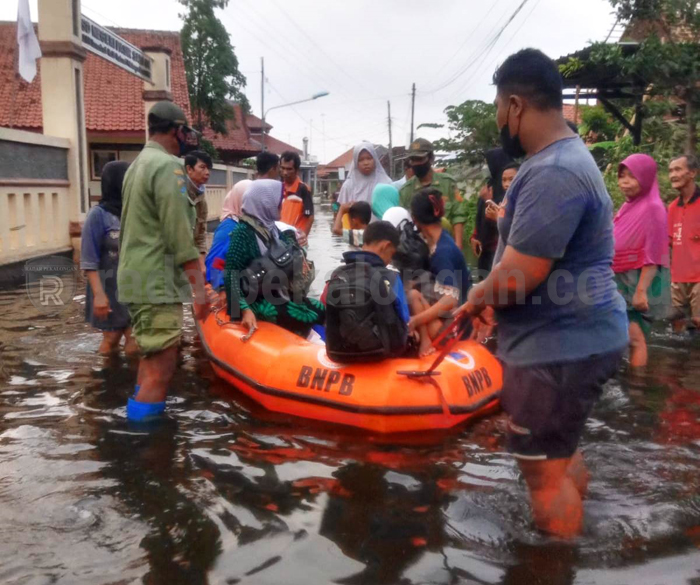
(223,492)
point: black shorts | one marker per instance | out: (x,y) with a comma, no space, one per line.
(548,404)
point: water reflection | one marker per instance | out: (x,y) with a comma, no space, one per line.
(225,492)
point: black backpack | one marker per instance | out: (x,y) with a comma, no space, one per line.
(362,324)
(412,253)
(283,273)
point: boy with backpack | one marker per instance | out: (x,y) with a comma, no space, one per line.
(366,309)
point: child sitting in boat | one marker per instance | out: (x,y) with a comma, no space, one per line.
(366,310)
(447,265)
(359,215)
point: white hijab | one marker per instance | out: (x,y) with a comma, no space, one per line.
(359,187)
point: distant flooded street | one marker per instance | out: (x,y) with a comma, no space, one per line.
(223,492)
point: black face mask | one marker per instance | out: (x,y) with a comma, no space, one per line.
(421,170)
(511,144)
(188,141)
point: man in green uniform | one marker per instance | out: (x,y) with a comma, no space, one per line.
(158,256)
(421,156)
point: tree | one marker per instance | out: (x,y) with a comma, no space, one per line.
(667,60)
(211,64)
(474,131)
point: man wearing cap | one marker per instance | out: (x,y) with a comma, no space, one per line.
(421,156)
(158,255)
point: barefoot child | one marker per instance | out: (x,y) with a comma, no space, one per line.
(100,259)
(452,277)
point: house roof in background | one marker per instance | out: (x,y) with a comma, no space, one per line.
(570,110)
(255,123)
(113,97)
(238,138)
(274,145)
(344,160)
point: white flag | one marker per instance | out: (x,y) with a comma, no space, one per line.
(27,43)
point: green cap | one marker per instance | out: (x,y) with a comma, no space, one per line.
(420,147)
(168,112)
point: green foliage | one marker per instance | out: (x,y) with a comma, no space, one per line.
(571,66)
(672,12)
(473,128)
(597,121)
(470,205)
(211,64)
(208,147)
(662,140)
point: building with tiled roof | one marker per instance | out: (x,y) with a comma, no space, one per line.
(236,144)
(272,144)
(115,121)
(113,97)
(571,114)
(341,162)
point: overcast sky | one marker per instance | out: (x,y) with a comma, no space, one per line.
(366,52)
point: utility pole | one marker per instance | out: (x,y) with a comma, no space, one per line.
(391,148)
(413,108)
(262,98)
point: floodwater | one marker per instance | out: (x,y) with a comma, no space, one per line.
(225,493)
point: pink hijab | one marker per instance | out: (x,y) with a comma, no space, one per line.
(640,226)
(234,200)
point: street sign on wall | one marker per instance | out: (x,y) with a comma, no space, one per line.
(106,44)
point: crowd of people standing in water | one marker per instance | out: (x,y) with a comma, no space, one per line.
(567,285)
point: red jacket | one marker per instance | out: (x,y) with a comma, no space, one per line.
(684,232)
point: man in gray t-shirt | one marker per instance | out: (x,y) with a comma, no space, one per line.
(562,326)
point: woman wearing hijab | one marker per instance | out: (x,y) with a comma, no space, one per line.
(365,174)
(384,197)
(484,239)
(641,250)
(257,237)
(99,259)
(230,214)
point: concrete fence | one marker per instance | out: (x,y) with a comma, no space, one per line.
(34,197)
(223,178)
(37,216)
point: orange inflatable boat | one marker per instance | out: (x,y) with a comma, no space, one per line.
(287,374)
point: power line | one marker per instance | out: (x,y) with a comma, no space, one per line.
(90,9)
(321,50)
(468,37)
(485,50)
(289,47)
(485,63)
(474,54)
(336,139)
(281,53)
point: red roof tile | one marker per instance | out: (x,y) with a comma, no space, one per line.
(343,160)
(275,146)
(238,137)
(113,97)
(569,113)
(255,123)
